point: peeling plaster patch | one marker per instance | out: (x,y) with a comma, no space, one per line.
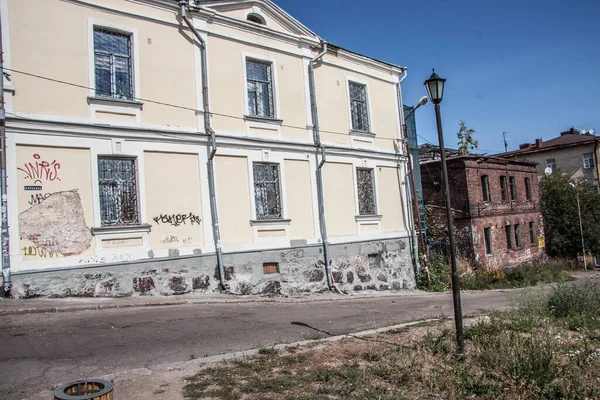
(57,224)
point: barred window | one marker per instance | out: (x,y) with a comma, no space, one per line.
(260,88)
(118,191)
(358,107)
(112,64)
(266,191)
(366,191)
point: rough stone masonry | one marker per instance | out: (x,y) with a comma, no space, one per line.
(373,265)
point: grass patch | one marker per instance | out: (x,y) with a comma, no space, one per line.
(529,274)
(533,351)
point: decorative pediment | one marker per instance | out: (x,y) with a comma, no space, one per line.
(261,12)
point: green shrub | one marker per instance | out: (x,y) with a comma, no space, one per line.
(576,305)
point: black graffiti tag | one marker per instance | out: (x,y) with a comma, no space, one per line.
(38,198)
(177,219)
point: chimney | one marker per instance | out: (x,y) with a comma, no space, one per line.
(571,131)
(538,143)
(524,146)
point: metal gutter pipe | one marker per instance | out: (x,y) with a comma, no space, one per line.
(319,172)
(6,281)
(411,224)
(211,151)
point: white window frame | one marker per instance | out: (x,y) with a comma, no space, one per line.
(588,162)
(366,219)
(552,165)
(360,81)
(108,104)
(277,117)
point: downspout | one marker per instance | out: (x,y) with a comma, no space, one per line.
(6,281)
(319,172)
(211,149)
(409,212)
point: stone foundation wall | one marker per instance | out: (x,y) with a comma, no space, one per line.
(373,265)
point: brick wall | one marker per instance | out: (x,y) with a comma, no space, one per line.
(472,214)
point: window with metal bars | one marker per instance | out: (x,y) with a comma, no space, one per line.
(112,64)
(267,191)
(259,78)
(118,191)
(359,109)
(366,191)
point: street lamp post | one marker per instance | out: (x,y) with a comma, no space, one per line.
(435,90)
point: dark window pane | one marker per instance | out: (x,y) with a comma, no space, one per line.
(112,62)
(118,191)
(358,107)
(260,89)
(366,191)
(267,191)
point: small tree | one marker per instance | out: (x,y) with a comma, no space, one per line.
(466,143)
(561,218)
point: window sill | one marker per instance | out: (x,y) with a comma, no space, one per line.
(108,230)
(362,133)
(114,102)
(265,120)
(368,218)
(270,222)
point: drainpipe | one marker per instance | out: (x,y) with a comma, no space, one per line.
(211,150)
(411,218)
(317,140)
(6,282)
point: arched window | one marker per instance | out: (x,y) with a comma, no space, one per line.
(257,19)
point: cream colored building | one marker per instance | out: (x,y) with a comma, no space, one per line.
(109,159)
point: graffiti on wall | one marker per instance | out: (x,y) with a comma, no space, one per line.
(38,198)
(39,171)
(177,219)
(56,225)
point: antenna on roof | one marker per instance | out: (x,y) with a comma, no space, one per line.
(505,143)
(592,131)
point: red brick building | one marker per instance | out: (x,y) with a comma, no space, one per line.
(496,207)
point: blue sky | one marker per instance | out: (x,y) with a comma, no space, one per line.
(527,67)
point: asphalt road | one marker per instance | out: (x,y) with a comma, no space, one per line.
(39,351)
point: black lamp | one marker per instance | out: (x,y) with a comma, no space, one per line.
(435,88)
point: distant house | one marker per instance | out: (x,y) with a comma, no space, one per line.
(496,207)
(572,153)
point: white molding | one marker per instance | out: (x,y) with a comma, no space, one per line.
(6,49)
(274,85)
(115,107)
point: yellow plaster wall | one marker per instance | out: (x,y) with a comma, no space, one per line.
(299,199)
(53,220)
(338,181)
(390,201)
(173,200)
(233,199)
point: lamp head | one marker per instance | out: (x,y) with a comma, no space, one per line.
(435,88)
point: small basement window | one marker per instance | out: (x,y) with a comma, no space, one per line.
(373,260)
(257,19)
(270,268)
